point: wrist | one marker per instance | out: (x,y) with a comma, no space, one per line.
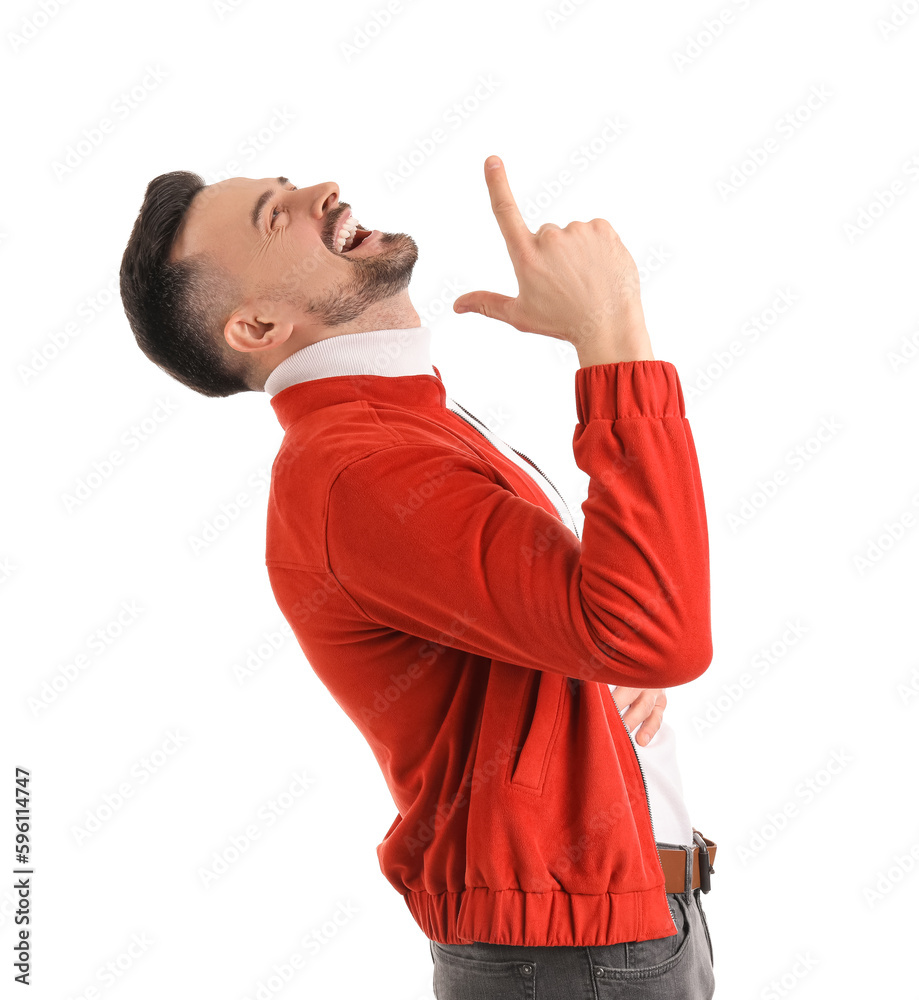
(615,351)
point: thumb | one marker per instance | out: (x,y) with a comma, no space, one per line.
(490,304)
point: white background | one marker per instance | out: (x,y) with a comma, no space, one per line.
(828,217)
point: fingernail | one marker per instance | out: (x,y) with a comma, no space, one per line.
(461,309)
(492,163)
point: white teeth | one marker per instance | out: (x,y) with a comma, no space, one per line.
(345,237)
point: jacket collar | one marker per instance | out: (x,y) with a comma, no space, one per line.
(388,366)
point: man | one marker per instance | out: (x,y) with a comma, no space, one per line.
(435,580)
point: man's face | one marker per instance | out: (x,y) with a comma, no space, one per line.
(280,242)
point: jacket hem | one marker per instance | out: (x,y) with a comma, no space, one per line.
(539,919)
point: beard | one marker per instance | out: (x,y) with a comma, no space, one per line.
(373,278)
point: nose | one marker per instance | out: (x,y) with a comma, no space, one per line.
(323,198)
(323,202)
(318,201)
(329,196)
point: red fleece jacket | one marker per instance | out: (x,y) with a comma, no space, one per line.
(471,637)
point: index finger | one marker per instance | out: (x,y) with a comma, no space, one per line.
(510,221)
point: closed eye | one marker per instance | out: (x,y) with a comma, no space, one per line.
(277,209)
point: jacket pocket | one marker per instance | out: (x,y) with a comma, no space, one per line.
(539,738)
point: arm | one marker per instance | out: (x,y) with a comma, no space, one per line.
(476,567)
(498,576)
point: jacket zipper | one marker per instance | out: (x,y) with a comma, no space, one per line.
(628,736)
(528,459)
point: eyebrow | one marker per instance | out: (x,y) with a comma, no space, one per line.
(263,200)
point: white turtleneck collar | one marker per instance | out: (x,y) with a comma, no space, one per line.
(371,352)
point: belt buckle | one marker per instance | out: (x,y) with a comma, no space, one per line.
(705,864)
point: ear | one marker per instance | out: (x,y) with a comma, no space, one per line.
(250,329)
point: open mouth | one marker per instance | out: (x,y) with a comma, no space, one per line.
(359,236)
(350,235)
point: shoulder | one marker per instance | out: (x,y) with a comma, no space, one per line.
(365,439)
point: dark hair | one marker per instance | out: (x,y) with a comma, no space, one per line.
(177,309)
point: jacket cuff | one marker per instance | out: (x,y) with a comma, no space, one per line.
(628,389)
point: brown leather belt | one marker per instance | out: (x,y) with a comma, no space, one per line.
(673,862)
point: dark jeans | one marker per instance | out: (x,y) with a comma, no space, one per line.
(678,967)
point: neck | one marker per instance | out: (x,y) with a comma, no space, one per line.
(394,313)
